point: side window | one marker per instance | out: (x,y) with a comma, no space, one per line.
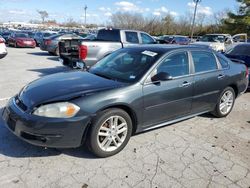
(223,62)
(131,37)
(146,39)
(204,61)
(175,65)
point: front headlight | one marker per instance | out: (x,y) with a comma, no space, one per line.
(57,110)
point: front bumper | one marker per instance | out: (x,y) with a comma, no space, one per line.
(3,55)
(46,132)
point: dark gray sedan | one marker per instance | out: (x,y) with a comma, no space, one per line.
(132,90)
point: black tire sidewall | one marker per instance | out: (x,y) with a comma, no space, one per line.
(217,110)
(95,126)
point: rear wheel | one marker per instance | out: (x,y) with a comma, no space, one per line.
(225,103)
(57,51)
(110,132)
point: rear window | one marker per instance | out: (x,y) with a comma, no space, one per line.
(109,35)
(21,35)
(223,61)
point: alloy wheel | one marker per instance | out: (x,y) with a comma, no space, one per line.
(112,133)
(226,102)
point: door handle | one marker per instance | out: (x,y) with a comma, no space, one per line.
(221,76)
(186,84)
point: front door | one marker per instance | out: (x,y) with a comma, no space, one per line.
(166,100)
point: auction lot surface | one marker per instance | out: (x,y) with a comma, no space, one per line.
(200,152)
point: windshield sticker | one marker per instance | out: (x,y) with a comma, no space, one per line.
(132,77)
(149,53)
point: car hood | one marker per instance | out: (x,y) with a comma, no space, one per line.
(64,86)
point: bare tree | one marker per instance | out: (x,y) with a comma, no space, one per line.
(44,14)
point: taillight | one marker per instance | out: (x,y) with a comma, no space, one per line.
(247,72)
(47,42)
(1,40)
(83,51)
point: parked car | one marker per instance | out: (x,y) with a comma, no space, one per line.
(132,90)
(6,36)
(1,37)
(75,53)
(39,36)
(3,50)
(174,39)
(240,52)
(195,39)
(21,40)
(220,42)
(50,44)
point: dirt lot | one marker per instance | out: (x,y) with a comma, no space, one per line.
(200,152)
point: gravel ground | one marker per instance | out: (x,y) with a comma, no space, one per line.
(200,152)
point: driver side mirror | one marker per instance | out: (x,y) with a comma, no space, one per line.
(161,76)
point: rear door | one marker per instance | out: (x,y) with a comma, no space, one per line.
(208,80)
(167,100)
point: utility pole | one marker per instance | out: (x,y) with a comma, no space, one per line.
(85,15)
(195,10)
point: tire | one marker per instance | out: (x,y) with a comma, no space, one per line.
(225,95)
(51,53)
(108,144)
(57,52)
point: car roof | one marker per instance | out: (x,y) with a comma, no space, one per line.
(166,48)
(217,34)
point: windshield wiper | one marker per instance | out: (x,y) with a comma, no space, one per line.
(104,76)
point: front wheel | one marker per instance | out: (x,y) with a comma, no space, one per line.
(225,103)
(110,132)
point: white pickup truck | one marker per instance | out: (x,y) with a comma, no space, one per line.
(77,53)
(220,42)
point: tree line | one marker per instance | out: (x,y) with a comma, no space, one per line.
(220,22)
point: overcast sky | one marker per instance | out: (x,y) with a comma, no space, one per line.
(99,11)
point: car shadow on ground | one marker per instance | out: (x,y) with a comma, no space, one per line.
(12,146)
(54,58)
(48,71)
(39,53)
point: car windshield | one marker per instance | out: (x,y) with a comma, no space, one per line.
(21,35)
(239,50)
(213,38)
(126,65)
